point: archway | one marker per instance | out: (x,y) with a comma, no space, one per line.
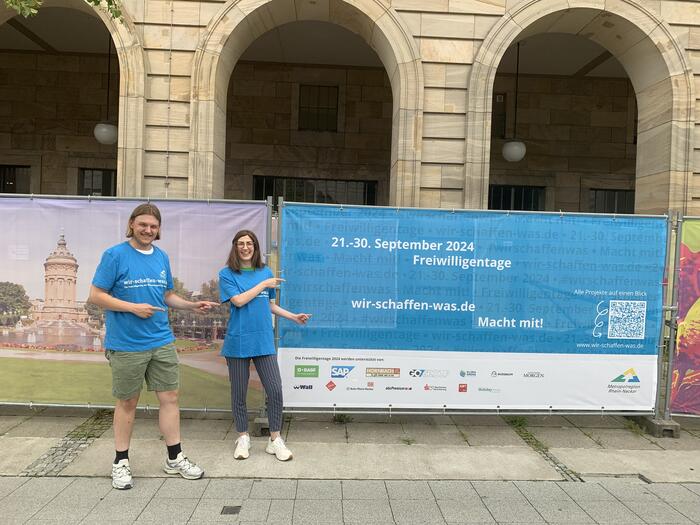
(131,97)
(239,24)
(655,64)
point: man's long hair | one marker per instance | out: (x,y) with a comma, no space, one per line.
(234,262)
(143,209)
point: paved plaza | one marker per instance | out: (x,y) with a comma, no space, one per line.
(355,469)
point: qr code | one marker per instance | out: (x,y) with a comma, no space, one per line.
(627,319)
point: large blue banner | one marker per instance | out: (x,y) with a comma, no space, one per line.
(394,283)
(477,282)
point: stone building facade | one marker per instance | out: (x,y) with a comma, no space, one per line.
(200,117)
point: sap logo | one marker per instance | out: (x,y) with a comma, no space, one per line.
(341,371)
(303,387)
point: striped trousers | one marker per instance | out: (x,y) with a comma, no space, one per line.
(239,375)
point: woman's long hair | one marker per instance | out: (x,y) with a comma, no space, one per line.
(234,262)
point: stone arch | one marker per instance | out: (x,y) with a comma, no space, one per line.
(132,89)
(655,63)
(237,26)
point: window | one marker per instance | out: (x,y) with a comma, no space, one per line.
(318,108)
(509,197)
(14,179)
(97,182)
(611,201)
(498,116)
(315,190)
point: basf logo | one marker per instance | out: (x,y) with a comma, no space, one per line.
(340,371)
(305,370)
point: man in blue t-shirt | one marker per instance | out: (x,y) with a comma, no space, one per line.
(134,284)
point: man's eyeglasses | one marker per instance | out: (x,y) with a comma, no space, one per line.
(243,244)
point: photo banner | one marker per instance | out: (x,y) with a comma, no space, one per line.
(470,310)
(51,340)
(685,382)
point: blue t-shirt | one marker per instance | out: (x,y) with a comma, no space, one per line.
(129,275)
(249,331)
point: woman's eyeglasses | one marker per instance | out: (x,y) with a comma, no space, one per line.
(243,244)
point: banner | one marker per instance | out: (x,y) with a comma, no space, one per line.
(685,383)
(470,310)
(51,340)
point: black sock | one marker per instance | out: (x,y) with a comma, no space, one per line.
(121,454)
(173,451)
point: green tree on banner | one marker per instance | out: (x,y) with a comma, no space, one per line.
(14,302)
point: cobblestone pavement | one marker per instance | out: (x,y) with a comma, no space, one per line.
(67,500)
(63,453)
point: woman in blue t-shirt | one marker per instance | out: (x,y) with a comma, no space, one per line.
(250,287)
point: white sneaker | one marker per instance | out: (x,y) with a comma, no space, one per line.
(279,449)
(242,450)
(121,475)
(183,466)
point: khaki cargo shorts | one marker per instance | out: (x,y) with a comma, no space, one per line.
(158,366)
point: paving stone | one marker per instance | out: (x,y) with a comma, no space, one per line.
(547,421)
(430,434)
(273,489)
(281,511)
(498,490)
(364,489)
(468,509)
(589,421)
(512,511)
(689,509)
(537,490)
(174,488)
(443,489)
(374,433)
(308,432)
(318,511)
(318,489)
(571,437)
(71,508)
(629,489)
(479,421)
(670,492)
(116,510)
(7,423)
(686,441)
(694,487)
(492,436)
(46,427)
(409,490)
(586,491)
(562,511)
(228,488)
(609,512)
(8,485)
(30,497)
(657,512)
(422,511)
(168,510)
(363,511)
(254,510)
(209,511)
(619,439)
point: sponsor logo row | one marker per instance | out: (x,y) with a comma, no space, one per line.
(343,371)
(626,383)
